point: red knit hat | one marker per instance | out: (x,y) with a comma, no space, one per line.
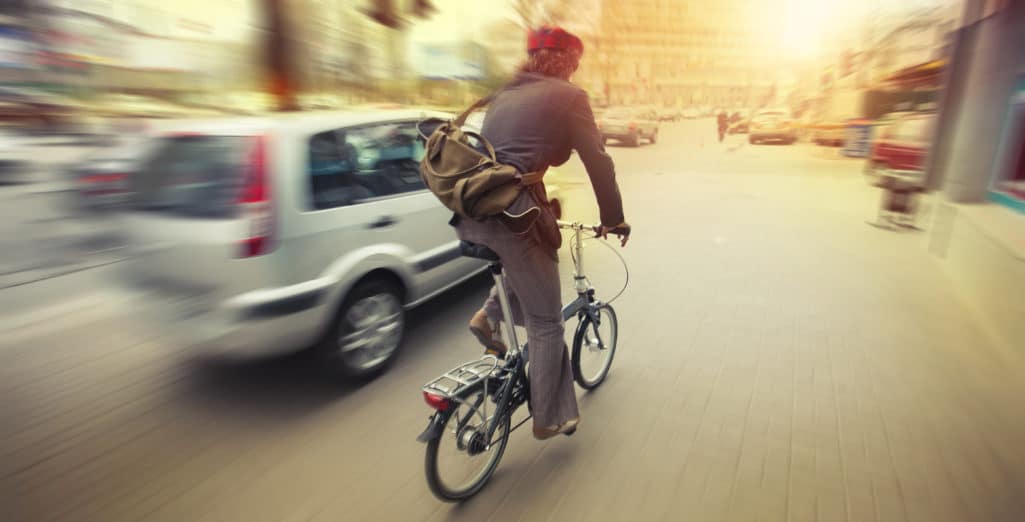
(553,38)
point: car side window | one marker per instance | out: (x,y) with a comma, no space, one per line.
(353,165)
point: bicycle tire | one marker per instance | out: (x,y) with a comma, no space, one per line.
(586,382)
(434,480)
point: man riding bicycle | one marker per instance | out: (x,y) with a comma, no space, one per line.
(535,122)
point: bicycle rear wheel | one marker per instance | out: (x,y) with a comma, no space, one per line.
(594,346)
(457,463)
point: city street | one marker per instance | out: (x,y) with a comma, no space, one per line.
(778,360)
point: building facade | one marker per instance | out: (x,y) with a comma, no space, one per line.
(978,162)
(682,52)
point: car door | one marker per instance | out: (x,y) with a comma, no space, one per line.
(365,200)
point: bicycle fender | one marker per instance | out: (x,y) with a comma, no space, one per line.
(434,428)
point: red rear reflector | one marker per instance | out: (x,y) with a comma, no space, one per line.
(436,401)
(103,178)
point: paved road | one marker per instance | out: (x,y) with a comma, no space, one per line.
(779,360)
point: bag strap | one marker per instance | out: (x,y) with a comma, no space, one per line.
(487,144)
(461,119)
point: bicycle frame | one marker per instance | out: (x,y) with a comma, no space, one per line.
(585,301)
(515,366)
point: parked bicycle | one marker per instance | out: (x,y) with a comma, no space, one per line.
(475,402)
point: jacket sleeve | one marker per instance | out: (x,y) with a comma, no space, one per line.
(587,141)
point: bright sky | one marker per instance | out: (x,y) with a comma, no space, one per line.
(809,23)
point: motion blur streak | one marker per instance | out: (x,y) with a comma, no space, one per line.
(223,283)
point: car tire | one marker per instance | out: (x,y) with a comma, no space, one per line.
(367,331)
(634,140)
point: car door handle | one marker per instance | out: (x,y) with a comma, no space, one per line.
(383,221)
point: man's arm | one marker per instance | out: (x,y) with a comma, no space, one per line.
(586,139)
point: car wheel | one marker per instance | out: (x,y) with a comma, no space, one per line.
(367,330)
(634,140)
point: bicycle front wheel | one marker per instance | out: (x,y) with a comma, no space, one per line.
(594,346)
(460,461)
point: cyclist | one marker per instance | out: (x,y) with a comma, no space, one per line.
(534,122)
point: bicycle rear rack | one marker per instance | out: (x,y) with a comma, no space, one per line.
(459,379)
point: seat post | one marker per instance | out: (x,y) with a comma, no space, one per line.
(503,300)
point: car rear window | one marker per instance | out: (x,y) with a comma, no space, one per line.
(192,176)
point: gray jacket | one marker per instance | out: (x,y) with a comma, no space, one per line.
(537,121)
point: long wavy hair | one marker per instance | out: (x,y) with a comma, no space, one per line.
(557,63)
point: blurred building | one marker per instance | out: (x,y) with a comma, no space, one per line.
(347,49)
(450,72)
(682,52)
(507,42)
(147,45)
(977,161)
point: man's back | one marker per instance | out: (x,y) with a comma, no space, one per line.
(527,122)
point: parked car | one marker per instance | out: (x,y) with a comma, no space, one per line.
(102,179)
(277,233)
(901,148)
(668,114)
(629,125)
(772,125)
(829,133)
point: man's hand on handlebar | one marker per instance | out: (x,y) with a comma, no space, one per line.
(622,230)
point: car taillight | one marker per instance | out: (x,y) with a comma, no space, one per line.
(104,178)
(436,401)
(255,204)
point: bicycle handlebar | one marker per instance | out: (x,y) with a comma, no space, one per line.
(619,231)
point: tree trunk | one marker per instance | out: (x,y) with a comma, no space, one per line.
(278,54)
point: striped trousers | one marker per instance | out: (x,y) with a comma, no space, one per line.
(532,282)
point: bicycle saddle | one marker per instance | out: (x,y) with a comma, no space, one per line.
(477,251)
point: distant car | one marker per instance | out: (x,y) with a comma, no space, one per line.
(276,233)
(629,125)
(668,114)
(772,125)
(829,133)
(901,148)
(102,179)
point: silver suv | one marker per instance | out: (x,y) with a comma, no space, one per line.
(276,233)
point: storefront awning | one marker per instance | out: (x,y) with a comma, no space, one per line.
(928,74)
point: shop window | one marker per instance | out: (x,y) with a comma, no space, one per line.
(1009,175)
